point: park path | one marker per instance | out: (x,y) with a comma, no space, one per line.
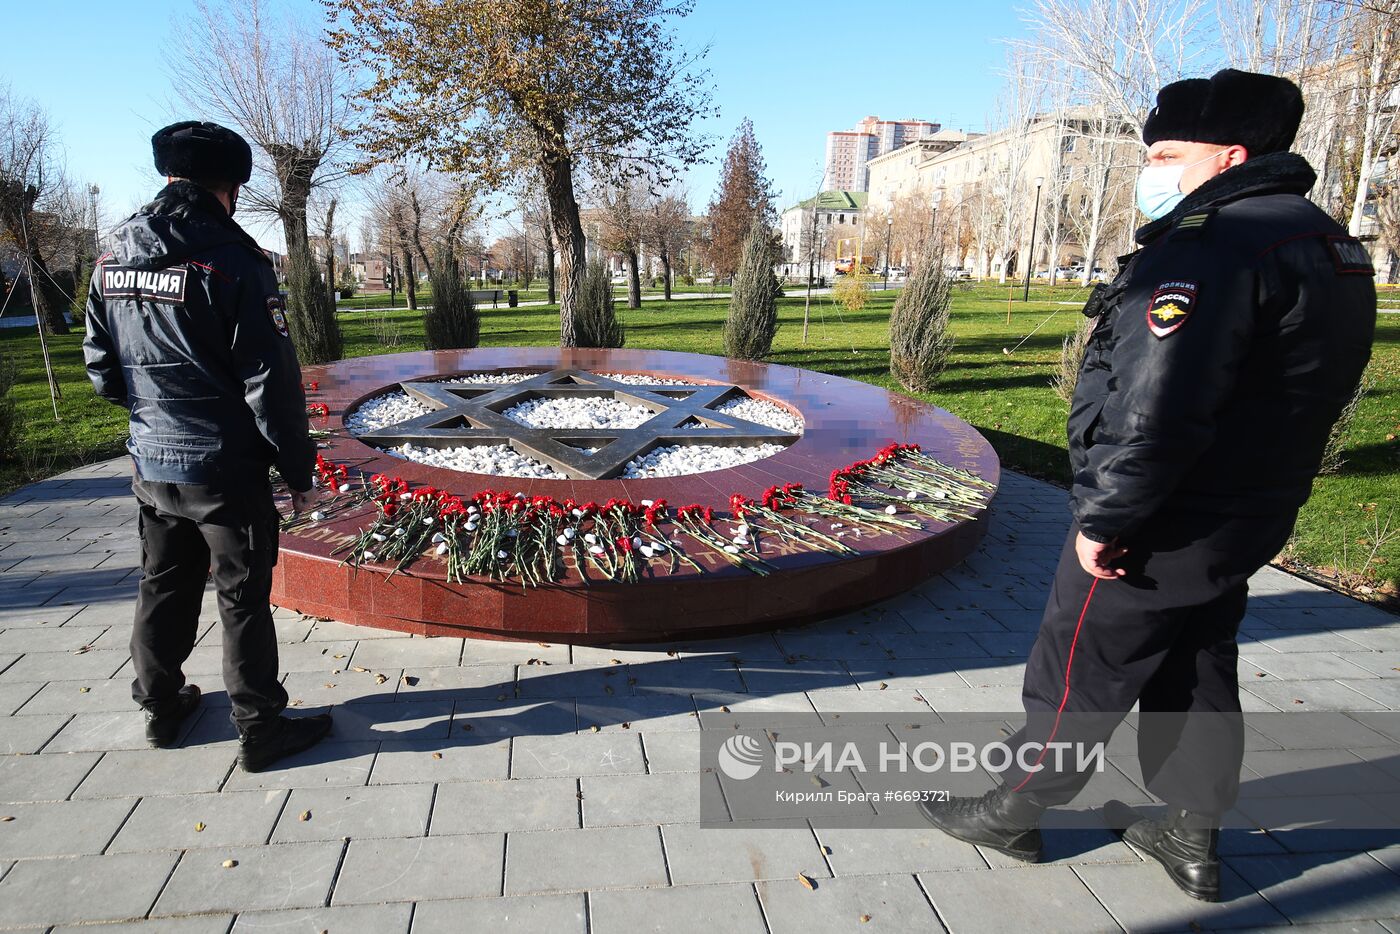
(480,788)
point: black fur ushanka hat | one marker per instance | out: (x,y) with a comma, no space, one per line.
(202,151)
(1259,112)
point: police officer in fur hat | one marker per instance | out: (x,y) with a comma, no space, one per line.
(186,328)
(1219,359)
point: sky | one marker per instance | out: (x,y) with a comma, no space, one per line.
(797,68)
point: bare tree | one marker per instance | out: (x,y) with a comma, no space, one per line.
(1018,122)
(668,228)
(534,214)
(1124,50)
(285,90)
(623,208)
(280,86)
(31,188)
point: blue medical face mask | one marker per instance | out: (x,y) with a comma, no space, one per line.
(1159,187)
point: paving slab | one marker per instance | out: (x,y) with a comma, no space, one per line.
(1035,898)
(544,914)
(192,924)
(420,869)
(581,754)
(664,798)
(355,812)
(83,889)
(348,919)
(143,772)
(50,777)
(576,860)
(856,903)
(328,763)
(24,735)
(1314,887)
(61,828)
(517,804)
(741,853)
(679,909)
(287,875)
(431,760)
(230,819)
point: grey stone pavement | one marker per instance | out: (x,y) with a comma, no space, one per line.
(541,787)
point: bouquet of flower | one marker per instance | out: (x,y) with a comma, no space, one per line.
(698,523)
(935,489)
(771,515)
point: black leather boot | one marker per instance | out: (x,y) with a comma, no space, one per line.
(1000,820)
(1185,844)
(264,744)
(163,722)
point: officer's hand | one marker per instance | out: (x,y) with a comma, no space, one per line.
(305,502)
(1095,557)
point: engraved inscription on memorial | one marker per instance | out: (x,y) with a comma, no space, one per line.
(466,414)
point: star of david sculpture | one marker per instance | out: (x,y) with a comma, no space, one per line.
(469,414)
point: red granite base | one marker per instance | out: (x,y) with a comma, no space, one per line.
(845,421)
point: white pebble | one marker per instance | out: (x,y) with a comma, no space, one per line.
(318,516)
(569,533)
(891,509)
(442,549)
(596,550)
(732,549)
(378,537)
(438,537)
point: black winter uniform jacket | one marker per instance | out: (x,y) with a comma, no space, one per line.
(1222,353)
(187,329)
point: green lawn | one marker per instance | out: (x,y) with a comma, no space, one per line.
(1008,398)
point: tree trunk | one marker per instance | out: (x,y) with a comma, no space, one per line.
(558,173)
(634,279)
(549,265)
(47,307)
(666,273)
(410,281)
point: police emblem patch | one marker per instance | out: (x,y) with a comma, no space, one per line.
(1170,307)
(277,311)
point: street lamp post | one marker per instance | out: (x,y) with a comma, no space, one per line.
(889,228)
(1030,255)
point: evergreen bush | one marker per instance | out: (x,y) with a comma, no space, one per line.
(753,309)
(920,344)
(596,315)
(452,322)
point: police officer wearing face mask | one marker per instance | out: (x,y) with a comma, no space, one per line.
(1220,357)
(186,328)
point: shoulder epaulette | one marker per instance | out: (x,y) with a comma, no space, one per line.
(1192,224)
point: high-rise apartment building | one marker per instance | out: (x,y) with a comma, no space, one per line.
(847,151)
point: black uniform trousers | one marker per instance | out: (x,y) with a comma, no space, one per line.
(1163,637)
(188,533)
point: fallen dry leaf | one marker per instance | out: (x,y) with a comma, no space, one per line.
(304,816)
(865,919)
(826,850)
(593,729)
(362,671)
(437,755)
(410,680)
(883,685)
(380,679)
(230,863)
(6,819)
(199,827)
(84,690)
(806,881)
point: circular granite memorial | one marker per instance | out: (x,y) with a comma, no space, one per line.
(756,425)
